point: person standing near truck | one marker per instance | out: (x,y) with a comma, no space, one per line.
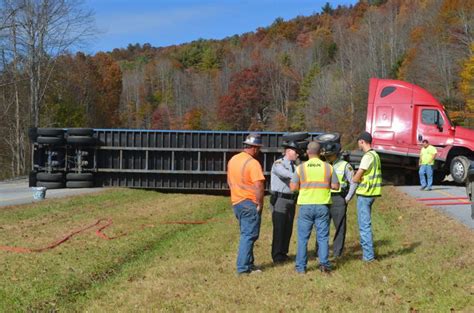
(369,178)
(246,182)
(426,162)
(314,179)
(339,197)
(283,202)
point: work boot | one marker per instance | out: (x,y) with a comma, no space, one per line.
(325,270)
(370,262)
(255,272)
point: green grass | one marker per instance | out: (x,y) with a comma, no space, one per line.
(425,260)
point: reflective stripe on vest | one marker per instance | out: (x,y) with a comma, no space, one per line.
(242,184)
(315,182)
(340,168)
(371,184)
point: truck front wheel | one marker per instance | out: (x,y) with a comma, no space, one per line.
(459,168)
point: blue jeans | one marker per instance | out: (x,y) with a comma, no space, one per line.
(428,171)
(364,208)
(249,222)
(309,215)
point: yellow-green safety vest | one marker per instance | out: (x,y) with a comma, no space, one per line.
(371,183)
(315,182)
(340,168)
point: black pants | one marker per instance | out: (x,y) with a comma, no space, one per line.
(283,215)
(337,212)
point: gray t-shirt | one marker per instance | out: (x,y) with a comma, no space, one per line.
(282,171)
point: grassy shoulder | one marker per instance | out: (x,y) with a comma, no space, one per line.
(425,260)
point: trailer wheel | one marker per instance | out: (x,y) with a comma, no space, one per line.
(80,176)
(459,168)
(329,137)
(50,140)
(81,140)
(50,131)
(79,184)
(32,179)
(302,145)
(80,132)
(50,184)
(32,133)
(50,177)
(299,136)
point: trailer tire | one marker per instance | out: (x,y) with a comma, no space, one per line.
(81,140)
(80,132)
(50,177)
(50,132)
(50,184)
(32,179)
(299,136)
(50,140)
(32,133)
(459,168)
(302,145)
(329,137)
(80,184)
(79,176)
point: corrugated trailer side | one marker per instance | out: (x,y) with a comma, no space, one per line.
(162,159)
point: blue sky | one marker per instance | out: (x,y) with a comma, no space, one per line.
(168,22)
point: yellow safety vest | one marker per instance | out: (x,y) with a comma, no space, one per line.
(371,183)
(340,168)
(315,182)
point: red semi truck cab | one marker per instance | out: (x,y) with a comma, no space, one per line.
(401,115)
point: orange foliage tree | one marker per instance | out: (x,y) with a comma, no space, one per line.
(248,100)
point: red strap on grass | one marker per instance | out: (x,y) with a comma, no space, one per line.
(53,244)
(447,203)
(443,199)
(99,232)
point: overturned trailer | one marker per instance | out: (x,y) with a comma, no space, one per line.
(154,159)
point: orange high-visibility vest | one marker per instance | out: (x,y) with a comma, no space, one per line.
(242,172)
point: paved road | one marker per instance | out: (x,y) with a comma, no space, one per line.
(17,192)
(460,212)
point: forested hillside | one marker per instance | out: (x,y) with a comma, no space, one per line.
(308,73)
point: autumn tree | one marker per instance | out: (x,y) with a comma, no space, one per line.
(193,119)
(109,89)
(467,82)
(248,100)
(299,107)
(327,8)
(44,30)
